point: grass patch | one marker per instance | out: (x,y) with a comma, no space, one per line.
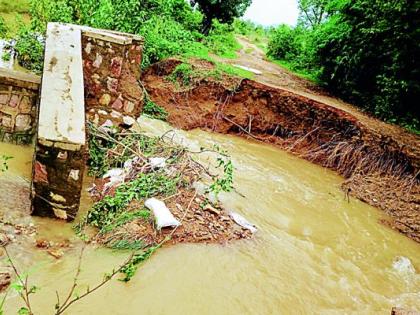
(152,110)
(14,13)
(14,6)
(300,73)
(186,74)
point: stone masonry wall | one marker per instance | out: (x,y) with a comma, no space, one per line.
(18,106)
(57,182)
(111,78)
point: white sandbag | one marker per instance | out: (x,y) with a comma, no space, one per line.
(157,162)
(240,220)
(163,216)
(115,172)
(116,176)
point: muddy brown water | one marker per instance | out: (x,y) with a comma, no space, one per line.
(314,253)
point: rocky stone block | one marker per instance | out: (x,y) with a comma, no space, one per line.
(23,123)
(14,100)
(4,98)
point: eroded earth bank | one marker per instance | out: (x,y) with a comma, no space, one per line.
(380,162)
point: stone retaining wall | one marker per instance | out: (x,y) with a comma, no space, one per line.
(18,106)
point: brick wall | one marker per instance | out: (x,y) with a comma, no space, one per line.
(111,67)
(18,106)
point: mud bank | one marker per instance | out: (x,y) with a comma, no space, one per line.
(380,168)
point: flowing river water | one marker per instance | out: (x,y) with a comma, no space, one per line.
(314,253)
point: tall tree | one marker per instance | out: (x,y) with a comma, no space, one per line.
(313,12)
(223,10)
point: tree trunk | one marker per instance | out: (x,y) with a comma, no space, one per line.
(206,26)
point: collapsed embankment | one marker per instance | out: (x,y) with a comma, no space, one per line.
(380,168)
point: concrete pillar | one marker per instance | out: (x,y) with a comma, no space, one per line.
(18,106)
(59,154)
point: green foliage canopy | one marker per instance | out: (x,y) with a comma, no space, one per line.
(222,10)
(365,51)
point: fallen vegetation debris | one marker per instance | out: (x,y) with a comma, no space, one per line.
(144,194)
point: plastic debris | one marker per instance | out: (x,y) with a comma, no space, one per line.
(129,121)
(403,265)
(116,176)
(157,162)
(240,220)
(163,216)
(107,126)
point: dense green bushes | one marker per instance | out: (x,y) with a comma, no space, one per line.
(285,43)
(222,11)
(170,27)
(365,51)
(222,41)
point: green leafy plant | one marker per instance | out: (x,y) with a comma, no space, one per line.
(29,49)
(3,163)
(225,182)
(153,110)
(129,270)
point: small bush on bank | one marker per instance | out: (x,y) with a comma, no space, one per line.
(222,41)
(29,47)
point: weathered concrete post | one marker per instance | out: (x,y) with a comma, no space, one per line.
(59,163)
(18,106)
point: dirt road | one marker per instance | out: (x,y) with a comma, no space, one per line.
(273,75)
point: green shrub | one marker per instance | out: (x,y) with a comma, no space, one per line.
(364,51)
(164,37)
(284,44)
(44,11)
(153,110)
(221,40)
(3,28)
(369,55)
(29,49)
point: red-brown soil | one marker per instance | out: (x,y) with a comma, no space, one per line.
(379,161)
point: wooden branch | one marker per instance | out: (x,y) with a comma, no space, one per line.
(240,127)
